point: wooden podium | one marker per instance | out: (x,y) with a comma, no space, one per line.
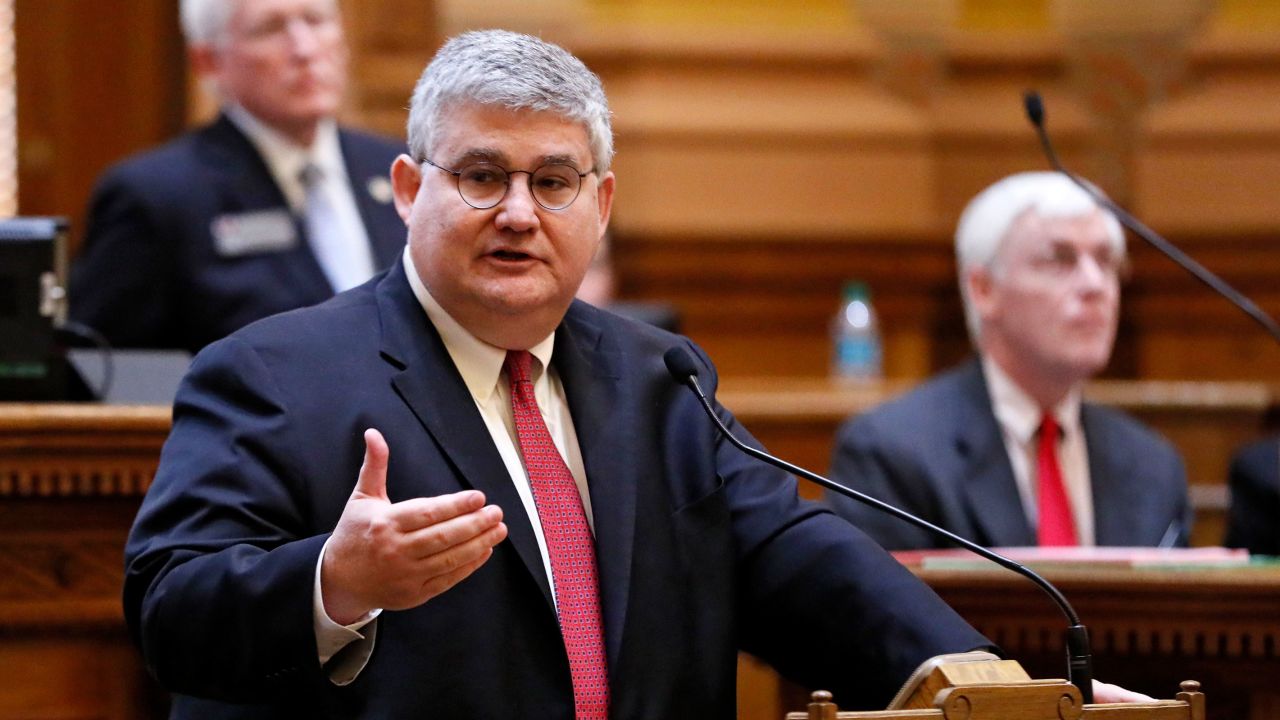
(978,686)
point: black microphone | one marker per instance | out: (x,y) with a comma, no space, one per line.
(1035,113)
(1079,658)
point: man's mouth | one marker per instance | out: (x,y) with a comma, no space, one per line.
(511,255)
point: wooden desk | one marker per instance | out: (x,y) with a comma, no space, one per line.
(1151,629)
(71,478)
(1207,421)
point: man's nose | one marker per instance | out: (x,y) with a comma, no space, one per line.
(1093,274)
(518,210)
(303,36)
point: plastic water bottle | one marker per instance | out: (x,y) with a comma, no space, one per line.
(855,336)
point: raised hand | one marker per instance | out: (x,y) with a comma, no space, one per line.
(395,556)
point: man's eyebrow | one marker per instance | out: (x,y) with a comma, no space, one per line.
(559,159)
(475,155)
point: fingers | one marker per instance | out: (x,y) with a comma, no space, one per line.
(372,481)
(1108,693)
(441,537)
(457,563)
(438,585)
(424,512)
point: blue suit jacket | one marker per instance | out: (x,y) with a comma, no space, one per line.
(1254,521)
(150,273)
(702,551)
(938,452)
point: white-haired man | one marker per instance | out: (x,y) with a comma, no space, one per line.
(1002,450)
(270,207)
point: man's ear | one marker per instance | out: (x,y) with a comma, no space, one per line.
(204,60)
(980,289)
(604,199)
(406,178)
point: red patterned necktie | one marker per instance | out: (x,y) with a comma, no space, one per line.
(1056,524)
(569,544)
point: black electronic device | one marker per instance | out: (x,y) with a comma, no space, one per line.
(33,271)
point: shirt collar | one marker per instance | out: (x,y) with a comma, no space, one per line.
(285,158)
(479,362)
(1018,413)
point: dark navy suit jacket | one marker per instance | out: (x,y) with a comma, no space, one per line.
(150,274)
(702,551)
(938,452)
(1254,521)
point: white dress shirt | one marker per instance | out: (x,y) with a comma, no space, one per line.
(286,160)
(480,365)
(1019,418)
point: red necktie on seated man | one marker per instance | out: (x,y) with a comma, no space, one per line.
(569,544)
(1057,526)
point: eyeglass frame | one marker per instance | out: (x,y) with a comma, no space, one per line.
(457,182)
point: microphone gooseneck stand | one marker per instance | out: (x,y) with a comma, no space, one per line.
(1079,658)
(1035,113)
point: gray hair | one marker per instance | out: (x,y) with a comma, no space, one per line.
(514,71)
(986,221)
(204,22)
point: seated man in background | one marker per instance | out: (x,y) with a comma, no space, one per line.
(269,208)
(1254,520)
(1002,450)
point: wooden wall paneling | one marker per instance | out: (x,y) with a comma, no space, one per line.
(981,132)
(754,136)
(763,308)
(95,82)
(1208,160)
(391,42)
(1182,329)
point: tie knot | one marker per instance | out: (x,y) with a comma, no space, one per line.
(1049,426)
(518,365)
(310,175)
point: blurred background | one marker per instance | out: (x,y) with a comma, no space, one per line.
(768,152)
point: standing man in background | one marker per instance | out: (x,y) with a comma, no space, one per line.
(1003,450)
(271,207)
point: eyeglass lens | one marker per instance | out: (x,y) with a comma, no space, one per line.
(554,187)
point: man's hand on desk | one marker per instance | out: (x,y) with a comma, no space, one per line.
(1108,693)
(394,556)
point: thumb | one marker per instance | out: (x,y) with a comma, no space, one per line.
(373,473)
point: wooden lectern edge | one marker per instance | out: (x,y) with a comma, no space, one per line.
(1015,697)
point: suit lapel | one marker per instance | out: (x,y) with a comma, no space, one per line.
(244,183)
(590,374)
(990,491)
(371,186)
(1111,474)
(427,381)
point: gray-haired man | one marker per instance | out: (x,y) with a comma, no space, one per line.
(270,207)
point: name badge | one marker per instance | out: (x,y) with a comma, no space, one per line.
(249,233)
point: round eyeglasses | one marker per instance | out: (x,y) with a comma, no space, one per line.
(483,185)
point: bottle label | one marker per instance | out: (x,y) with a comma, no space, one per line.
(857,356)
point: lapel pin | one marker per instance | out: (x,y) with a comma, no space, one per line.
(379,189)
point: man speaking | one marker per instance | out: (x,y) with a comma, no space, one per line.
(454,491)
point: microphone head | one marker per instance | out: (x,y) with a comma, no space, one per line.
(680,364)
(1034,106)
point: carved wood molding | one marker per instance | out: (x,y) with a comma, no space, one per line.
(1193,614)
(64,450)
